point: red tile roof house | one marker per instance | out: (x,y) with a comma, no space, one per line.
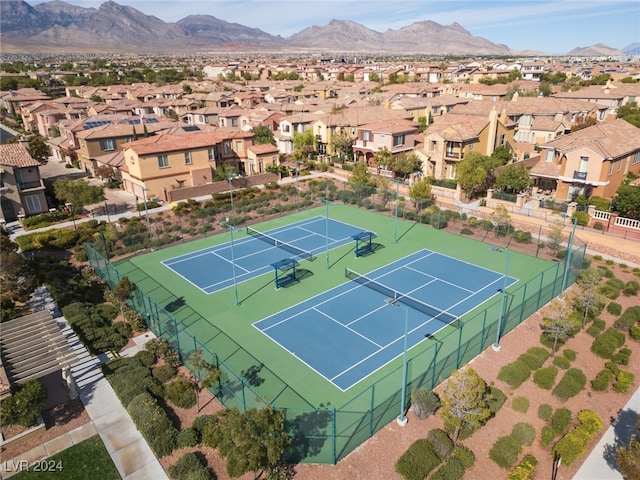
(21,188)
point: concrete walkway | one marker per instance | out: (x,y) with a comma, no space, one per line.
(601,462)
(129,451)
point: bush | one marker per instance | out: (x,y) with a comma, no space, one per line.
(522,236)
(188,467)
(597,327)
(631,288)
(520,404)
(561,362)
(582,218)
(535,357)
(545,411)
(466,231)
(153,423)
(628,319)
(608,342)
(574,443)
(545,377)
(464,455)
(439,221)
(515,373)
(187,438)
(569,354)
(505,451)
(525,468)
(417,461)
(602,380)
(609,291)
(525,433)
(163,373)
(452,469)
(598,226)
(440,442)
(622,357)
(181,393)
(547,435)
(614,308)
(624,380)
(634,332)
(24,406)
(560,420)
(424,403)
(496,400)
(131,380)
(146,358)
(571,383)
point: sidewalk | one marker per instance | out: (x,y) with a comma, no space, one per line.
(129,451)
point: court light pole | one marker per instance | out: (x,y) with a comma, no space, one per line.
(395,226)
(298,162)
(230,177)
(146,211)
(496,345)
(233,258)
(402,418)
(326,221)
(567,257)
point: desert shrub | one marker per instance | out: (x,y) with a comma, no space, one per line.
(505,451)
(452,469)
(610,291)
(615,283)
(525,433)
(200,423)
(524,470)
(496,400)
(131,381)
(569,354)
(574,443)
(561,362)
(560,420)
(624,380)
(547,435)
(440,442)
(424,403)
(515,373)
(631,288)
(614,308)
(466,231)
(628,319)
(417,461)
(597,327)
(464,455)
(520,404)
(146,358)
(607,343)
(545,377)
(582,218)
(189,467)
(571,383)
(181,393)
(598,226)
(163,373)
(545,411)
(438,220)
(535,357)
(602,380)
(605,271)
(522,236)
(590,421)
(187,438)
(153,423)
(634,332)
(622,356)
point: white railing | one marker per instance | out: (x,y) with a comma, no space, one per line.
(600,215)
(627,223)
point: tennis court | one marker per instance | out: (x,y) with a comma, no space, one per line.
(347,333)
(212,269)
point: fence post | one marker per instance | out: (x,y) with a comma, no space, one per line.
(459,341)
(335,434)
(540,290)
(524,301)
(484,324)
(371,409)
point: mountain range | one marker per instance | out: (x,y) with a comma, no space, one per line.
(59,27)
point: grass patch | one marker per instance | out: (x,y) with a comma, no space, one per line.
(87,459)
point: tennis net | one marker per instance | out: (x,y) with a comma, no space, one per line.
(399,297)
(280,244)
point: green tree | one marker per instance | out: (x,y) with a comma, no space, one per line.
(39,150)
(16,277)
(558,324)
(588,296)
(263,135)
(361,180)
(224,170)
(420,192)
(123,290)
(303,144)
(422,124)
(630,112)
(601,79)
(514,178)
(77,192)
(343,145)
(501,219)
(465,401)
(627,200)
(407,164)
(501,156)
(253,441)
(472,173)
(628,458)
(384,158)
(205,374)
(583,123)
(555,237)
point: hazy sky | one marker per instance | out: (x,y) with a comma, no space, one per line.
(551,26)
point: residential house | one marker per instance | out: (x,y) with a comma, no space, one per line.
(396,136)
(156,164)
(22,192)
(600,156)
(14,99)
(533,70)
(259,157)
(201,116)
(452,136)
(613,95)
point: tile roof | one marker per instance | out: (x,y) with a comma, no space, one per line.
(172,142)
(263,149)
(16,155)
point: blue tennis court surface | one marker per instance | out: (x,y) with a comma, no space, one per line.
(211,269)
(349,332)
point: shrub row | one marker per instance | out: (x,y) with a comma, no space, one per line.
(607,343)
(517,372)
(153,423)
(524,469)
(574,443)
(189,467)
(628,319)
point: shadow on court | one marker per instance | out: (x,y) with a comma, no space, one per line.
(407,231)
(342,257)
(301,274)
(175,304)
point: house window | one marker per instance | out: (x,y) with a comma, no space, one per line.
(107,144)
(584,162)
(33,204)
(239,146)
(398,140)
(226,146)
(381,139)
(212,155)
(636,158)
(611,169)
(163,161)
(234,122)
(619,165)
(450,149)
(187,158)
(502,139)
(285,128)
(366,136)
(549,157)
